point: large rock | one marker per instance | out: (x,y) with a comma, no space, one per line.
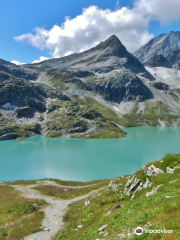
(152,170)
(154,190)
(169,170)
(23,111)
(147,183)
(131,185)
(161,86)
(113,186)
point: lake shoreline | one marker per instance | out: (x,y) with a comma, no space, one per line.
(86,160)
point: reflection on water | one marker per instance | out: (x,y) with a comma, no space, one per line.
(85,160)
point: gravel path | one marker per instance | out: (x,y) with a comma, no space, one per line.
(47,182)
(53,212)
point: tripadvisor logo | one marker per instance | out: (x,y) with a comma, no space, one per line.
(138,231)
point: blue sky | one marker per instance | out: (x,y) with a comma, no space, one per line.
(134,24)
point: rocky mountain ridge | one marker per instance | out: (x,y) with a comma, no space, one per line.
(163,44)
(105,57)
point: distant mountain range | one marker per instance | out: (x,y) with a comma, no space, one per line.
(163,44)
(93,94)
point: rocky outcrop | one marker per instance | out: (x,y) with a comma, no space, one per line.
(160,86)
(113,209)
(152,171)
(132,186)
(154,190)
(23,111)
(169,170)
(17,71)
(113,186)
(9,136)
(12,131)
(21,93)
(158,61)
(123,86)
(174,59)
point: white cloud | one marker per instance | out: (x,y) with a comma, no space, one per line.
(94,25)
(166,11)
(40,59)
(17,62)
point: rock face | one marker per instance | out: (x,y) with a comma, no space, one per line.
(16,71)
(174,59)
(22,93)
(163,44)
(158,61)
(160,86)
(123,86)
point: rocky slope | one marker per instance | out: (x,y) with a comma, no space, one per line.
(8,69)
(174,59)
(87,95)
(158,61)
(163,44)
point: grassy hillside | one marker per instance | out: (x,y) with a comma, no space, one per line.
(159,211)
(16,213)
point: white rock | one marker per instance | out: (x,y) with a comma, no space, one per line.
(153,191)
(158,170)
(169,196)
(103,227)
(169,170)
(147,183)
(173,181)
(46,229)
(152,170)
(176,167)
(87,203)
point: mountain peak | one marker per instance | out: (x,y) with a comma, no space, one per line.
(114,45)
(163,44)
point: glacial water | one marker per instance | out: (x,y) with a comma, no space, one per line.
(85,160)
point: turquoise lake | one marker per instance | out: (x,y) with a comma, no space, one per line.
(85,160)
